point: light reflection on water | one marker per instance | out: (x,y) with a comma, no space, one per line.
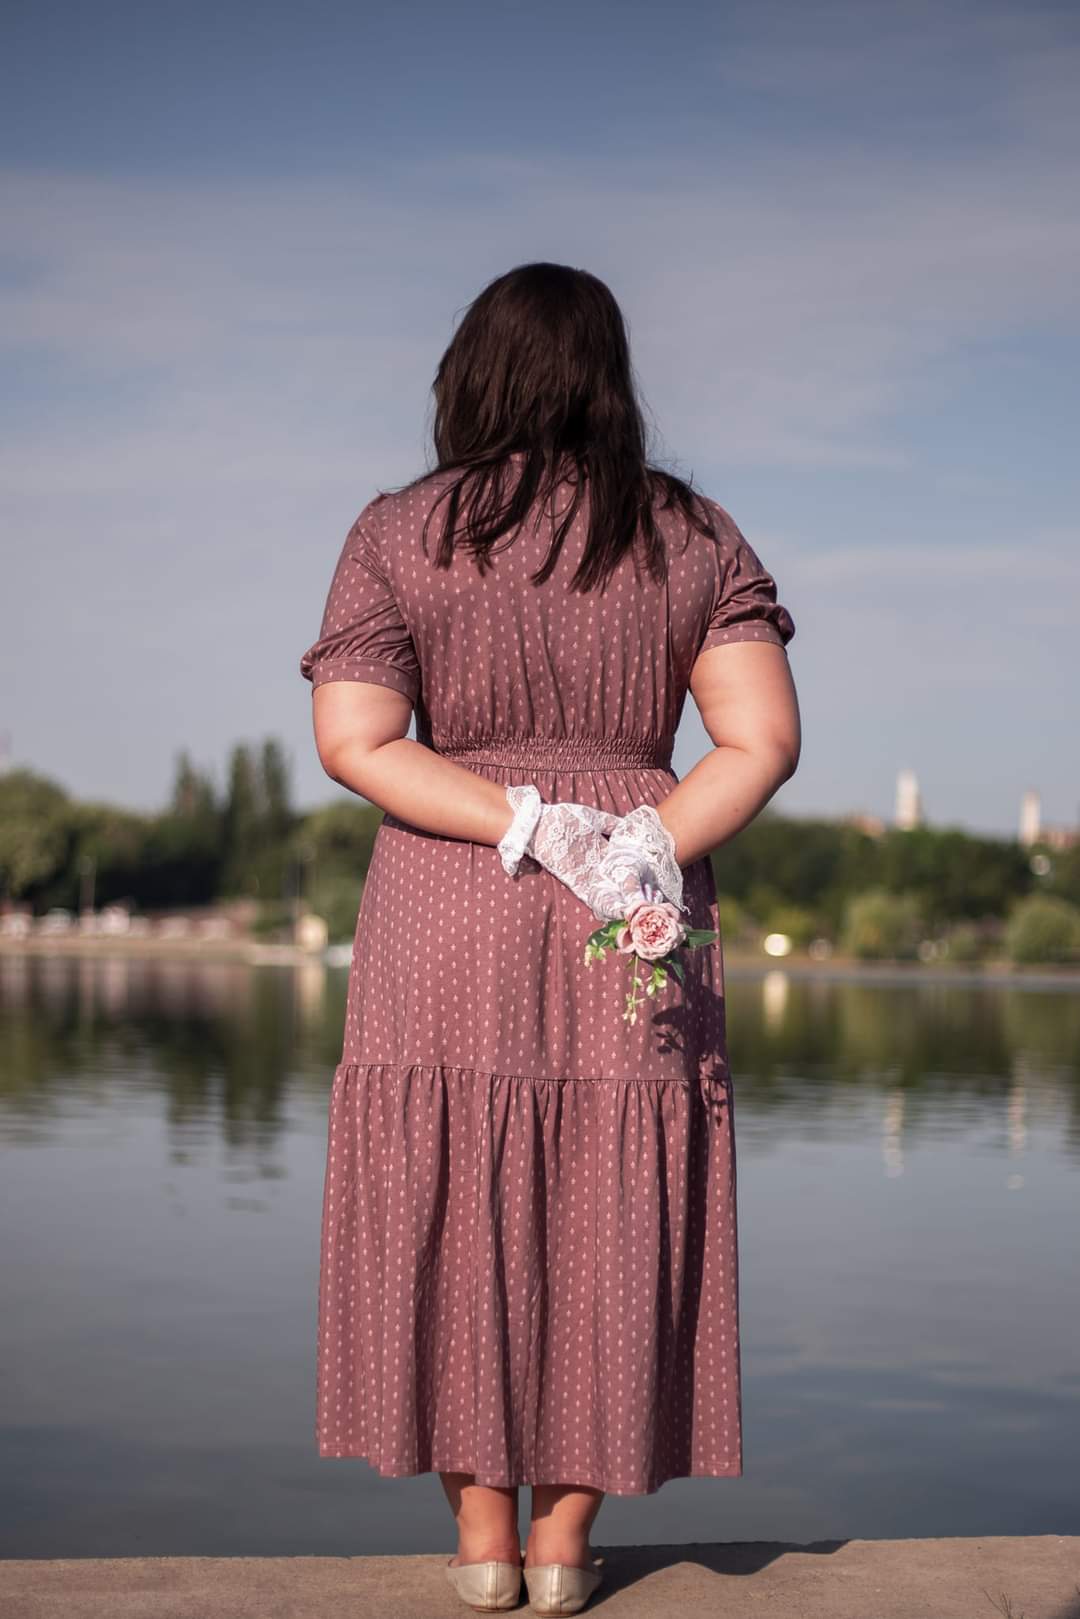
(908,1177)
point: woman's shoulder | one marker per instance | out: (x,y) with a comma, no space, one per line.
(707,507)
(710,527)
(411,500)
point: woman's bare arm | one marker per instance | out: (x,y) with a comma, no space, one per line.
(747,701)
(360,734)
(746,697)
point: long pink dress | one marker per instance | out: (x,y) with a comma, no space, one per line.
(529,1264)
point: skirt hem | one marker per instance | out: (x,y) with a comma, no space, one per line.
(348,1067)
(491,1481)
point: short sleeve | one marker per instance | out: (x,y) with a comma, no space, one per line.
(363,634)
(745,605)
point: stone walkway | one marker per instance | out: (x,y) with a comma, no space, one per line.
(1015,1577)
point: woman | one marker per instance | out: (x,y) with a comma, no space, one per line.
(529,1260)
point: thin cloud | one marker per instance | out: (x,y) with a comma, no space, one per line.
(804,314)
(223,371)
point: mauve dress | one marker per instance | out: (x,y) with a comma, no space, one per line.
(529,1265)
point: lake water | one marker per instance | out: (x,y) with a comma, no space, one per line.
(909,1206)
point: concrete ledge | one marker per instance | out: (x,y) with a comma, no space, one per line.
(1015,1577)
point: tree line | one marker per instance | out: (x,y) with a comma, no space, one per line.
(895,895)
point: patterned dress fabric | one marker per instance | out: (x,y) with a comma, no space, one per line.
(529,1262)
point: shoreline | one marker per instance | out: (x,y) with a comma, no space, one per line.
(736,964)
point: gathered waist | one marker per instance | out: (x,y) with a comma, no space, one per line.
(562,753)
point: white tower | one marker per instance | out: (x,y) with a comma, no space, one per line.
(908,801)
(1030,818)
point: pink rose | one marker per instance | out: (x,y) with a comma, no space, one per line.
(652,929)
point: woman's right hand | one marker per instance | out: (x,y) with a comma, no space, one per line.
(568,840)
(603,858)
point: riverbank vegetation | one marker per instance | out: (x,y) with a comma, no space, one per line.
(924,894)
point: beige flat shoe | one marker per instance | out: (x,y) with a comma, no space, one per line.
(560,1587)
(487,1587)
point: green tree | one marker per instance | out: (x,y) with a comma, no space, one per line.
(343,834)
(184,848)
(111,844)
(275,791)
(336,845)
(965,942)
(242,823)
(36,833)
(799,924)
(954,874)
(735,925)
(1064,878)
(883,926)
(812,863)
(1043,928)
(194,798)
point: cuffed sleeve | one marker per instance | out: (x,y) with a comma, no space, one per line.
(363,635)
(745,605)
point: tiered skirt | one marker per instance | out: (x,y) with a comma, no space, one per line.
(529,1259)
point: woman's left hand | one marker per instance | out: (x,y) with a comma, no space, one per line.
(640,850)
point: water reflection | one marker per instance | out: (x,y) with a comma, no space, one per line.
(219,1038)
(908,1156)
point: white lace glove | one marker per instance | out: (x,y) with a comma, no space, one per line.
(639,851)
(568,840)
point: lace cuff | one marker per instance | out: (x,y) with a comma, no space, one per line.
(527,804)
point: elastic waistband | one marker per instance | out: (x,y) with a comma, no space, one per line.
(565,753)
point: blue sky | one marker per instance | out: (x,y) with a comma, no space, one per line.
(845,238)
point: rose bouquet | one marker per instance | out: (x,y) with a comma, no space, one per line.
(650,934)
(623,867)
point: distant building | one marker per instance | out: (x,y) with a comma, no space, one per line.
(1033,830)
(909,810)
(872,825)
(1030,818)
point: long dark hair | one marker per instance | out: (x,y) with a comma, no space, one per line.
(540,367)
